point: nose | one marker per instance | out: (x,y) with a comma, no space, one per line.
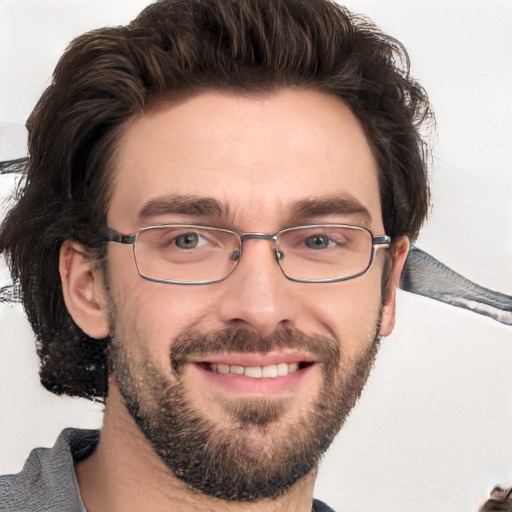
(257,294)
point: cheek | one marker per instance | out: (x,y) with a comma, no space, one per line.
(349,311)
(151,315)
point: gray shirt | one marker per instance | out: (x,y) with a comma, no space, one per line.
(47,481)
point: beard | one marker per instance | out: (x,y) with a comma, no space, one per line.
(265,448)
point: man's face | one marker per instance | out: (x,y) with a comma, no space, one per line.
(270,162)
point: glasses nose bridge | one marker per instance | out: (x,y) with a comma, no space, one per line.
(257,236)
(261,236)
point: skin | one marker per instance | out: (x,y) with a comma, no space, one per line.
(257,156)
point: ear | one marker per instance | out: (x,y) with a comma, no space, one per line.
(399,252)
(83,289)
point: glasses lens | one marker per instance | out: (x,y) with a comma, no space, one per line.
(185,254)
(324,252)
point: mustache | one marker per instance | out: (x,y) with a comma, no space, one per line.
(192,345)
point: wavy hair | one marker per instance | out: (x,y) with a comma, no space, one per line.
(175,48)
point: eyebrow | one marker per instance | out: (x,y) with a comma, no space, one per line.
(185,205)
(330,205)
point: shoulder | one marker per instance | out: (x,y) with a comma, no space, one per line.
(47,480)
(320,506)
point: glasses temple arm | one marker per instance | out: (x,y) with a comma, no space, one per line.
(111,235)
(381,241)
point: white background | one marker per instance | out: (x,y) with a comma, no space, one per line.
(433,430)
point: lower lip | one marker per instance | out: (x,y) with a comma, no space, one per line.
(239,384)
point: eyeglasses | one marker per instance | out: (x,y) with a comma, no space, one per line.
(196,254)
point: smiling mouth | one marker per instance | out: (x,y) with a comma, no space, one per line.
(256,372)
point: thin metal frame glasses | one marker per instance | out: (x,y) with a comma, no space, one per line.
(199,254)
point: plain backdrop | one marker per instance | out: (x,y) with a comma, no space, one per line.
(433,429)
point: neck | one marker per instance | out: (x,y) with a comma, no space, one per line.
(126,474)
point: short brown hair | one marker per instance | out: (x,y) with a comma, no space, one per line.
(176,47)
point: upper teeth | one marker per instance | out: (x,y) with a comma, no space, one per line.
(258,372)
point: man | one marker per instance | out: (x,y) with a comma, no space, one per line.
(263,161)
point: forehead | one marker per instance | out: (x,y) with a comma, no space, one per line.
(257,158)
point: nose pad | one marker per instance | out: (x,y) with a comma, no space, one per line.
(235,255)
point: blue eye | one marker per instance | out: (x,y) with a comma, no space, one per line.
(317,242)
(187,241)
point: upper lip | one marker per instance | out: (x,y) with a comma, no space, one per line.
(256,359)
